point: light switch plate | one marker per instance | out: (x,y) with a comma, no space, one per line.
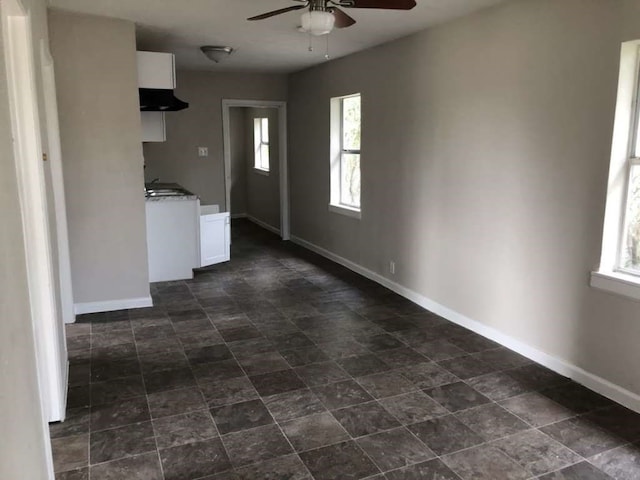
(203,151)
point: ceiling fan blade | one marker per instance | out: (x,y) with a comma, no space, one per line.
(277,12)
(342,19)
(384,4)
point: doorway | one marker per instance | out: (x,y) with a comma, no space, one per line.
(255,153)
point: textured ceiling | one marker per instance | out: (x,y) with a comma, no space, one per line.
(271,45)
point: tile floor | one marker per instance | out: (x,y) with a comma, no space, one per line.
(282,365)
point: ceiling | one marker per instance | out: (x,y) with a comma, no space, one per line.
(271,45)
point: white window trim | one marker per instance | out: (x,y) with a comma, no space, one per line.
(335,206)
(608,276)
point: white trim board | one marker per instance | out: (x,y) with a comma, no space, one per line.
(112,305)
(262,224)
(594,382)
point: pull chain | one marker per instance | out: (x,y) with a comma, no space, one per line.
(310,42)
(326,55)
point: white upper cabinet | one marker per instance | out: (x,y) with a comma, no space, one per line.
(156,70)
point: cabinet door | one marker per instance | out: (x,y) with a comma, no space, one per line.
(156,70)
(215,239)
(153,127)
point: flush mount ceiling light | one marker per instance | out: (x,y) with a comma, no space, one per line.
(216,53)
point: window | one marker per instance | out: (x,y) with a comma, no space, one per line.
(345,155)
(619,270)
(261,144)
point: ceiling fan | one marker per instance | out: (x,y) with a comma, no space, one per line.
(324,15)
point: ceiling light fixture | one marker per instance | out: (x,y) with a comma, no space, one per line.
(216,53)
(318,22)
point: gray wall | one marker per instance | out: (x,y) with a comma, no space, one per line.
(238,137)
(176,160)
(102,155)
(24,433)
(263,191)
(485,153)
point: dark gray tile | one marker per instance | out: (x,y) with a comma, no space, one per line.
(365,419)
(401,357)
(473,343)
(485,463)
(159,362)
(241,416)
(502,358)
(314,431)
(321,373)
(152,332)
(182,429)
(341,394)
(174,402)
(159,345)
(251,347)
(256,445)
(622,463)
(121,442)
(79,374)
(277,382)
(194,460)
(386,384)
(413,407)
(169,380)
(70,453)
(240,333)
(337,462)
(209,354)
(264,363)
(226,392)
(101,340)
(491,421)
(217,371)
(79,396)
(116,390)
(466,367)
(457,396)
(498,386)
(294,404)
(536,409)
(114,352)
(197,338)
(536,377)
(618,420)
(445,435)
(141,467)
(290,341)
(428,375)
(378,343)
(289,467)
(363,365)
(75,423)
(432,470)
(338,348)
(576,398)
(582,436)
(79,474)
(580,471)
(395,449)
(304,356)
(440,349)
(536,452)
(118,414)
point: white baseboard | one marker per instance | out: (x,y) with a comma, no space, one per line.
(112,305)
(594,382)
(238,215)
(264,225)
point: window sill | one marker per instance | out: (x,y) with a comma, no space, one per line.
(260,171)
(618,283)
(347,211)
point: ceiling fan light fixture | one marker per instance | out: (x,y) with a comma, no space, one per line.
(216,53)
(318,22)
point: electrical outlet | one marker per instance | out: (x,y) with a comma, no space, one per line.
(392,267)
(203,151)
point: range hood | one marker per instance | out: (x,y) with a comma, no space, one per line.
(156,100)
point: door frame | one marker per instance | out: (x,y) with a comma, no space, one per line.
(227,105)
(28,156)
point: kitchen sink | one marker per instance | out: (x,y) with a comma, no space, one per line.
(170,190)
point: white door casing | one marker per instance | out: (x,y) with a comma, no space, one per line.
(285,232)
(25,123)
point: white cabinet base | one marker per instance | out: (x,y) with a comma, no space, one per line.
(215,237)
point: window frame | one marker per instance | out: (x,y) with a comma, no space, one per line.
(611,276)
(338,152)
(258,144)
